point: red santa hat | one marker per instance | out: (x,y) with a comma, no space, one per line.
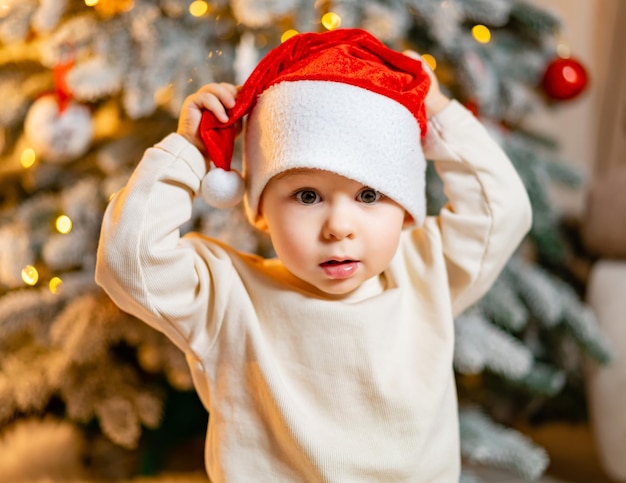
(339,101)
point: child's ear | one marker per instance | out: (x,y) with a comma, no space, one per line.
(260,223)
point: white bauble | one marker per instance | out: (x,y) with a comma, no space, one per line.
(58,137)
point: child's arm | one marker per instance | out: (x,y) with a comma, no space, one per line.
(488,211)
(142,262)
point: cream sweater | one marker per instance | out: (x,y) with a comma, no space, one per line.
(303,388)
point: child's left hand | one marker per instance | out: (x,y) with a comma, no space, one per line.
(435,100)
(211,97)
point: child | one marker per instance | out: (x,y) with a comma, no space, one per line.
(332,362)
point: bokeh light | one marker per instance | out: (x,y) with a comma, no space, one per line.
(63,224)
(30,275)
(198,8)
(430,60)
(288,34)
(481,33)
(27,158)
(331,21)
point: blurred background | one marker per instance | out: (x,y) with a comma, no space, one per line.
(88,393)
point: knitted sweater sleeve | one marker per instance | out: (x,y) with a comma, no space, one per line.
(143,264)
(487,212)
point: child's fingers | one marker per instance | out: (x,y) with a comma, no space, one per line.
(414,55)
(435,100)
(233,89)
(226,93)
(210,102)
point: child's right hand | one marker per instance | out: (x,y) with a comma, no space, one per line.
(435,100)
(212,97)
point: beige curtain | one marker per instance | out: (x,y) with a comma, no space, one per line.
(604,221)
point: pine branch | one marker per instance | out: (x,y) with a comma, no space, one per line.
(480,345)
(484,442)
(537,290)
(502,305)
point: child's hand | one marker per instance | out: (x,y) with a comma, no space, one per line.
(211,97)
(435,100)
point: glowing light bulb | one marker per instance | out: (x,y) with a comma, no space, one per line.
(30,275)
(430,60)
(91,3)
(198,8)
(27,158)
(63,224)
(481,33)
(288,34)
(331,21)
(54,284)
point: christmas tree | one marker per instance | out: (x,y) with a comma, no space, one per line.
(88,85)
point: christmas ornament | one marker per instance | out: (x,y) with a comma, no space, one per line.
(56,127)
(564,79)
(56,135)
(472,106)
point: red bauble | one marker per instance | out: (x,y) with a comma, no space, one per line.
(472,106)
(565,78)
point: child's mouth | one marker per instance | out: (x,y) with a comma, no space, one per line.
(339,269)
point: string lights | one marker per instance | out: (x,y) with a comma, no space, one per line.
(430,60)
(331,20)
(63,224)
(27,158)
(30,275)
(288,34)
(198,8)
(55,284)
(481,34)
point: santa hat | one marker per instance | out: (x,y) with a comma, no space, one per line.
(339,101)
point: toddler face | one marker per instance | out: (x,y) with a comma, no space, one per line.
(330,231)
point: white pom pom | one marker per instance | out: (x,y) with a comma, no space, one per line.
(222,189)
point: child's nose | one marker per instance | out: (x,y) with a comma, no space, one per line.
(339,223)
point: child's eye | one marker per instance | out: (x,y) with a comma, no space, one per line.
(369,196)
(307,197)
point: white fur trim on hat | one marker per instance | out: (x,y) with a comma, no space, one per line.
(336,127)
